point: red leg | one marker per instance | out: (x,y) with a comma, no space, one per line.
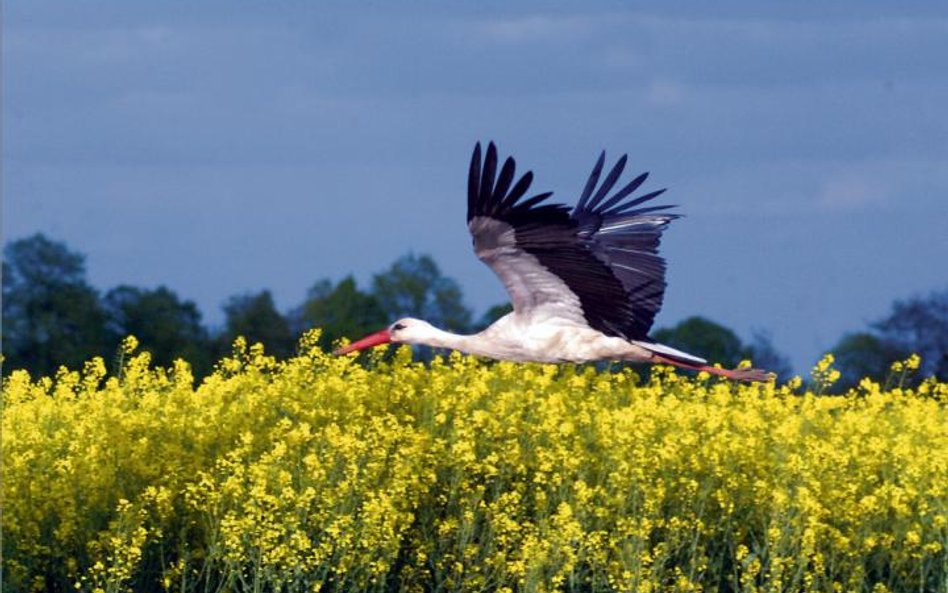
(734,374)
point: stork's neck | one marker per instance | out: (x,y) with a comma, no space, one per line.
(480,344)
(439,338)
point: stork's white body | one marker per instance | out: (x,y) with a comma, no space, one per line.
(517,337)
(541,338)
(533,338)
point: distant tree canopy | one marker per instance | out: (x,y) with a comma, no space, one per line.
(704,338)
(415,287)
(53,317)
(718,344)
(762,352)
(862,354)
(412,287)
(920,325)
(917,325)
(255,317)
(164,325)
(341,310)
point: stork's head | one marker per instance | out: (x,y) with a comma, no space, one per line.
(404,331)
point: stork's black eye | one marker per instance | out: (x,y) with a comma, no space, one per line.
(398,326)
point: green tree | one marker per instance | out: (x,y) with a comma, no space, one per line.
(51,316)
(863,354)
(764,355)
(341,311)
(920,325)
(916,325)
(164,325)
(705,338)
(718,344)
(255,317)
(415,287)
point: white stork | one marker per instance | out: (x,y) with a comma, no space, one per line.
(585,284)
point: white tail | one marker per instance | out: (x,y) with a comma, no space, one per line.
(669,351)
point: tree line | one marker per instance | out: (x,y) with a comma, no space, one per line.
(52,316)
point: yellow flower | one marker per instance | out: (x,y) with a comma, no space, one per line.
(318,473)
(913,362)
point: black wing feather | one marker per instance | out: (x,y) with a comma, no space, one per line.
(640,200)
(622,193)
(605,250)
(519,189)
(610,181)
(626,238)
(505,178)
(474,181)
(592,181)
(484,198)
(487,175)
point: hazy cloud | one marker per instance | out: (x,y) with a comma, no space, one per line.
(663,92)
(851,193)
(538,28)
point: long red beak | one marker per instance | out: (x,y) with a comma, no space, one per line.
(380,337)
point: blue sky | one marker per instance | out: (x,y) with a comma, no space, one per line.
(224,147)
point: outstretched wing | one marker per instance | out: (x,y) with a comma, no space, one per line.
(624,234)
(597,265)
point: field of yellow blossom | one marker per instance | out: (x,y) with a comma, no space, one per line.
(324,474)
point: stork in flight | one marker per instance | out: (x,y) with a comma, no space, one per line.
(585,284)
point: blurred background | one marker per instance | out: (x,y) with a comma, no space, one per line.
(189,172)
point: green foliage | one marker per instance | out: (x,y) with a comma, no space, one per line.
(342,311)
(718,344)
(45,295)
(51,316)
(165,326)
(763,354)
(415,287)
(255,317)
(705,338)
(863,354)
(920,324)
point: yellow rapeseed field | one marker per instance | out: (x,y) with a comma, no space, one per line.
(323,474)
